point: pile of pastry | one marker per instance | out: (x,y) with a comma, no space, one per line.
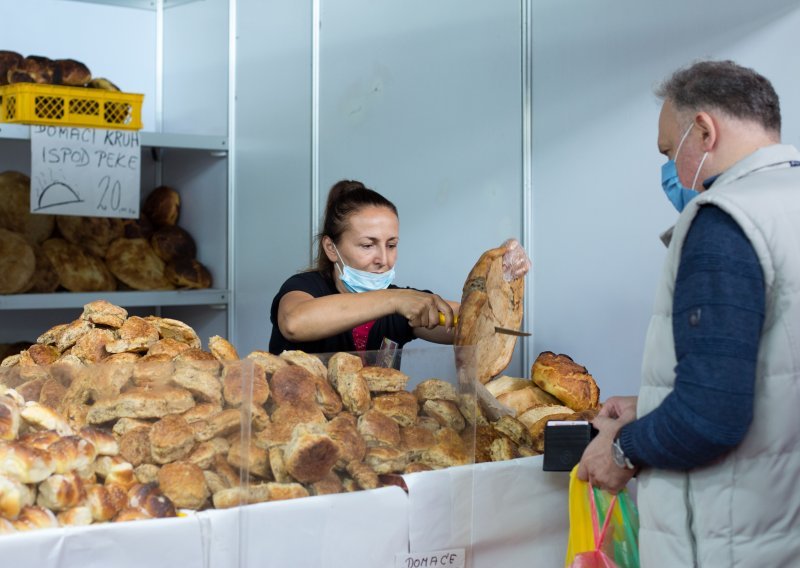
(44,253)
(559,389)
(209,428)
(16,68)
(54,475)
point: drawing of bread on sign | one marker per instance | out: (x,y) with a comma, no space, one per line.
(56,193)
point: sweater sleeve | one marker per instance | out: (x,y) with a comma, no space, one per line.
(717,316)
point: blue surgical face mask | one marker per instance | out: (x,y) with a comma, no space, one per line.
(679,195)
(361,280)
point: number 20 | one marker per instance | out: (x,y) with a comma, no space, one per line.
(115,197)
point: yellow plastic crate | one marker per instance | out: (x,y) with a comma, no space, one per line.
(33,103)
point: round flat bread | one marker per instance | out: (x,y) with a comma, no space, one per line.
(17,262)
(94,234)
(136,264)
(488,300)
(15,209)
(188,273)
(45,278)
(78,270)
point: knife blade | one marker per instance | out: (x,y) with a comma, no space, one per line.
(507,331)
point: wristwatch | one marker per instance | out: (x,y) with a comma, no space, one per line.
(618,454)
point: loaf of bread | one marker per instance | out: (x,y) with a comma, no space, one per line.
(569,382)
(17,262)
(162,206)
(70,72)
(8,60)
(94,234)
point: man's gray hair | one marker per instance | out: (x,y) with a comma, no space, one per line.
(726,86)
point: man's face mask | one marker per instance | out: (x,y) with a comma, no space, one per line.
(679,195)
(360,280)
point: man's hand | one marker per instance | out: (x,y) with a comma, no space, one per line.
(597,464)
(620,407)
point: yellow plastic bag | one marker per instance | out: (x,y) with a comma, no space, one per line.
(603,528)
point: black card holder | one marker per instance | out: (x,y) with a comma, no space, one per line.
(564,442)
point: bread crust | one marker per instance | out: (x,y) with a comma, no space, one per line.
(569,382)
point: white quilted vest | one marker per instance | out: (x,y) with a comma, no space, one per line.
(744,509)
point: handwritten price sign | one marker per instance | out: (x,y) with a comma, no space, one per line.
(85,171)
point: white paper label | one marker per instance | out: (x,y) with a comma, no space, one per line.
(85,171)
(452,558)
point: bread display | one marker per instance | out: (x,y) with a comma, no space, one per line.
(8,60)
(170,424)
(44,253)
(488,300)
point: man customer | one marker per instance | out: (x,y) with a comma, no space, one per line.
(715,431)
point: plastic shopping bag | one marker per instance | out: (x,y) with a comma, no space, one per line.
(603,528)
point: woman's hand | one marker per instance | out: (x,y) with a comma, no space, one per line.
(422,309)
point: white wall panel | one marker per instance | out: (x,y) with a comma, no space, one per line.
(598,205)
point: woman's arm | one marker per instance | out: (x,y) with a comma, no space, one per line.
(301,317)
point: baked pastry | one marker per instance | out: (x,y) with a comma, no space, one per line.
(188,273)
(384,379)
(38,68)
(221,424)
(204,453)
(435,389)
(199,378)
(28,465)
(184,484)
(15,208)
(328,485)
(249,458)
(136,334)
(52,394)
(363,474)
(60,492)
(222,349)
(17,262)
(244,380)
(75,517)
(503,449)
(172,242)
(267,361)
(78,271)
(377,429)
(135,263)
(162,206)
(35,517)
(134,446)
(45,278)
(141,403)
(14,495)
(91,347)
(168,347)
(344,432)
(214,481)
(64,336)
(471,410)
(8,60)
(530,396)
(415,440)
(513,428)
(149,498)
(448,451)
(45,418)
(131,514)
(311,363)
(171,439)
(399,406)
(569,382)
(293,385)
(103,84)
(103,312)
(101,504)
(352,387)
(445,412)
(177,330)
(70,72)
(9,418)
(342,364)
(385,459)
(202,411)
(488,300)
(283,491)
(94,234)
(311,453)
(505,384)
(71,453)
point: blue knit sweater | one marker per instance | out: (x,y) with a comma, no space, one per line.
(717,315)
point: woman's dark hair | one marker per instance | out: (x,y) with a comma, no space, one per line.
(345,198)
(737,91)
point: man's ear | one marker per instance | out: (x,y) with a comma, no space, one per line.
(709,130)
(327,246)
